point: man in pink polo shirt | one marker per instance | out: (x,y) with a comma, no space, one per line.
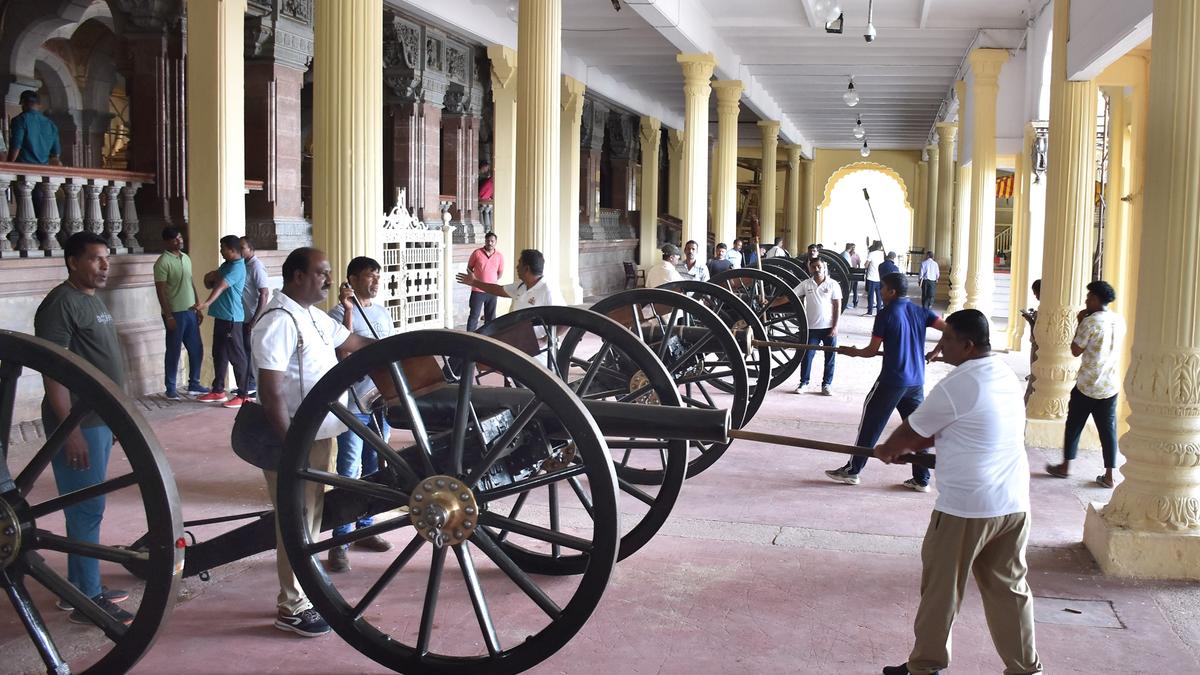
(485,264)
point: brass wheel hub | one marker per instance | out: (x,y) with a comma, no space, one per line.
(10,535)
(443,510)
(637,381)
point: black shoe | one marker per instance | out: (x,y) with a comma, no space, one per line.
(901,669)
(307,623)
(374,543)
(107,606)
(109,594)
(339,559)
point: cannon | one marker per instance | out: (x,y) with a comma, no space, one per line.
(781,311)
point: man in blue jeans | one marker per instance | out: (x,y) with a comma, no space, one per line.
(900,330)
(75,318)
(353,459)
(822,298)
(176,296)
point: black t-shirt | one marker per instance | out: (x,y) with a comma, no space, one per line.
(718,265)
(82,324)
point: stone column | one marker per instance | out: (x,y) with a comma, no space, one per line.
(591,140)
(1151,528)
(725,215)
(504,160)
(572,117)
(806,202)
(347,129)
(697,70)
(216,158)
(929,227)
(621,135)
(943,238)
(1018,297)
(960,243)
(648,232)
(985,64)
(675,167)
(766,190)
(461,114)
(1067,270)
(1122,244)
(539,90)
(791,201)
(920,206)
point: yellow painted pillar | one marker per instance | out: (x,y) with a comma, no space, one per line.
(347,129)
(1018,292)
(985,64)
(916,236)
(1067,268)
(791,200)
(539,90)
(675,167)
(729,95)
(1151,528)
(504,159)
(568,245)
(807,202)
(766,189)
(929,227)
(943,235)
(697,70)
(648,233)
(960,244)
(1119,267)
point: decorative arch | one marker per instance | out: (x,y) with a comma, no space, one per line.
(59,81)
(39,27)
(855,167)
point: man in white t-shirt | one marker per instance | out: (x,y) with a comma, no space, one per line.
(980,522)
(1098,339)
(777,250)
(665,270)
(875,258)
(734,254)
(692,267)
(294,347)
(822,298)
(531,289)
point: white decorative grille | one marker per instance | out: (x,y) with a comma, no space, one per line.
(414,279)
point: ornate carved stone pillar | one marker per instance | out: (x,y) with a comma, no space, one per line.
(621,137)
(49,221)
(944,233)
(985,64)
(697,70)
(725,220)
(95,125)
(648,232)
(461,112)
(591,143)
(539,46)
(766,201)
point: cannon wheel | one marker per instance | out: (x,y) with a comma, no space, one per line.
(459,630)
(592,379)
(777,306)
(839,269)
(716,357)
(737,315)
(787,268)
(30,510)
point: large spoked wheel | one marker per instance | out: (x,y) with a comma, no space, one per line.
(140,491)
(839,271)
(786,270)
(602,361)
(775,303)
(698,350)
(740,318)
(465,454)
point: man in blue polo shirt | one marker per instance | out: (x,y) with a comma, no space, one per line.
(33,137)
(224,305)
(900,330)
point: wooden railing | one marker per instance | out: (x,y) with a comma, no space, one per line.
(41,206)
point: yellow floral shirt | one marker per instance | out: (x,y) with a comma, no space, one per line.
(1100,336)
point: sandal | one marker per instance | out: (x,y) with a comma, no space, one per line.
(1104,481)
(1056,470)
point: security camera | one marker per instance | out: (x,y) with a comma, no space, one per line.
(616,5)
(869,36)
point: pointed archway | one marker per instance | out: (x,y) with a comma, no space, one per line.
(844,216)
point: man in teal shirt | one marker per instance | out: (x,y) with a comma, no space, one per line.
(224,305)
(33,137)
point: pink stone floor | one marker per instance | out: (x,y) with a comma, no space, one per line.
(764,567)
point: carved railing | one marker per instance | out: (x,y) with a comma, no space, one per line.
(41,206)
(486,208)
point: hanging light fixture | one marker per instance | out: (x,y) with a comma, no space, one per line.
(865,151)
(851,96)
(859,131)
(512,11)
(827,10)
(869,36)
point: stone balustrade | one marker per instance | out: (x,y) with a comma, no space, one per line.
(43,205)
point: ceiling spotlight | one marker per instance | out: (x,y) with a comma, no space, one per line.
(869,36)
(827,10)
(851,96)
(836,25)
(512,11)
(865,151)
(859,131)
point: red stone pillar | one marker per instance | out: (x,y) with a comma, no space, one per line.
(275,214)
(591,143)
(621,135)
(460,171)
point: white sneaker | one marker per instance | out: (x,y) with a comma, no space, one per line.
(912,484)
(841,475)
(800,387)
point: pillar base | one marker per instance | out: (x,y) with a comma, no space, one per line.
(1123,552)
(1049,434)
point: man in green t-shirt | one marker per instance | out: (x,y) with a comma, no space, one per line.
(224,303)
(73,317)
(176,296)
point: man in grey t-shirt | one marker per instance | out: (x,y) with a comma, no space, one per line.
(255,296)
(353,459)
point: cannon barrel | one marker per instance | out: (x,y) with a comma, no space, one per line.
(693,334)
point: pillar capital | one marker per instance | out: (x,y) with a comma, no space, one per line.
(932,150)
(986,63)
(649,131)
(729,94)
(572,96)
(504,70)
(769,128)
(697,68)
(946,131)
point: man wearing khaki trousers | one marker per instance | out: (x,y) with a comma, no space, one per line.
(980,522)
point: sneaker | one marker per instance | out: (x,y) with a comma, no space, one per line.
(800,387)
(110,594)
(251,392)
(901,669)
(307,623)
(826,391)
(196,390)
(212,397)
(234,403)
(374,543)
(842,475)
(108,606)
(172,396)
(913,484)
(339,559)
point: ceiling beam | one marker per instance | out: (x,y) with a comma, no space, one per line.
(926,5)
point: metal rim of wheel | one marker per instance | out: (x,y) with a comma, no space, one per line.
(718,348)
(788,269)
(780,310)
(839,270)
(158,561)
(622,370)
(736,315)
(419,481)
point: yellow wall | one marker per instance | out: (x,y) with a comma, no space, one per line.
(827,162)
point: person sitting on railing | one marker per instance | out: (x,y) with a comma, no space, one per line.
(33,137)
